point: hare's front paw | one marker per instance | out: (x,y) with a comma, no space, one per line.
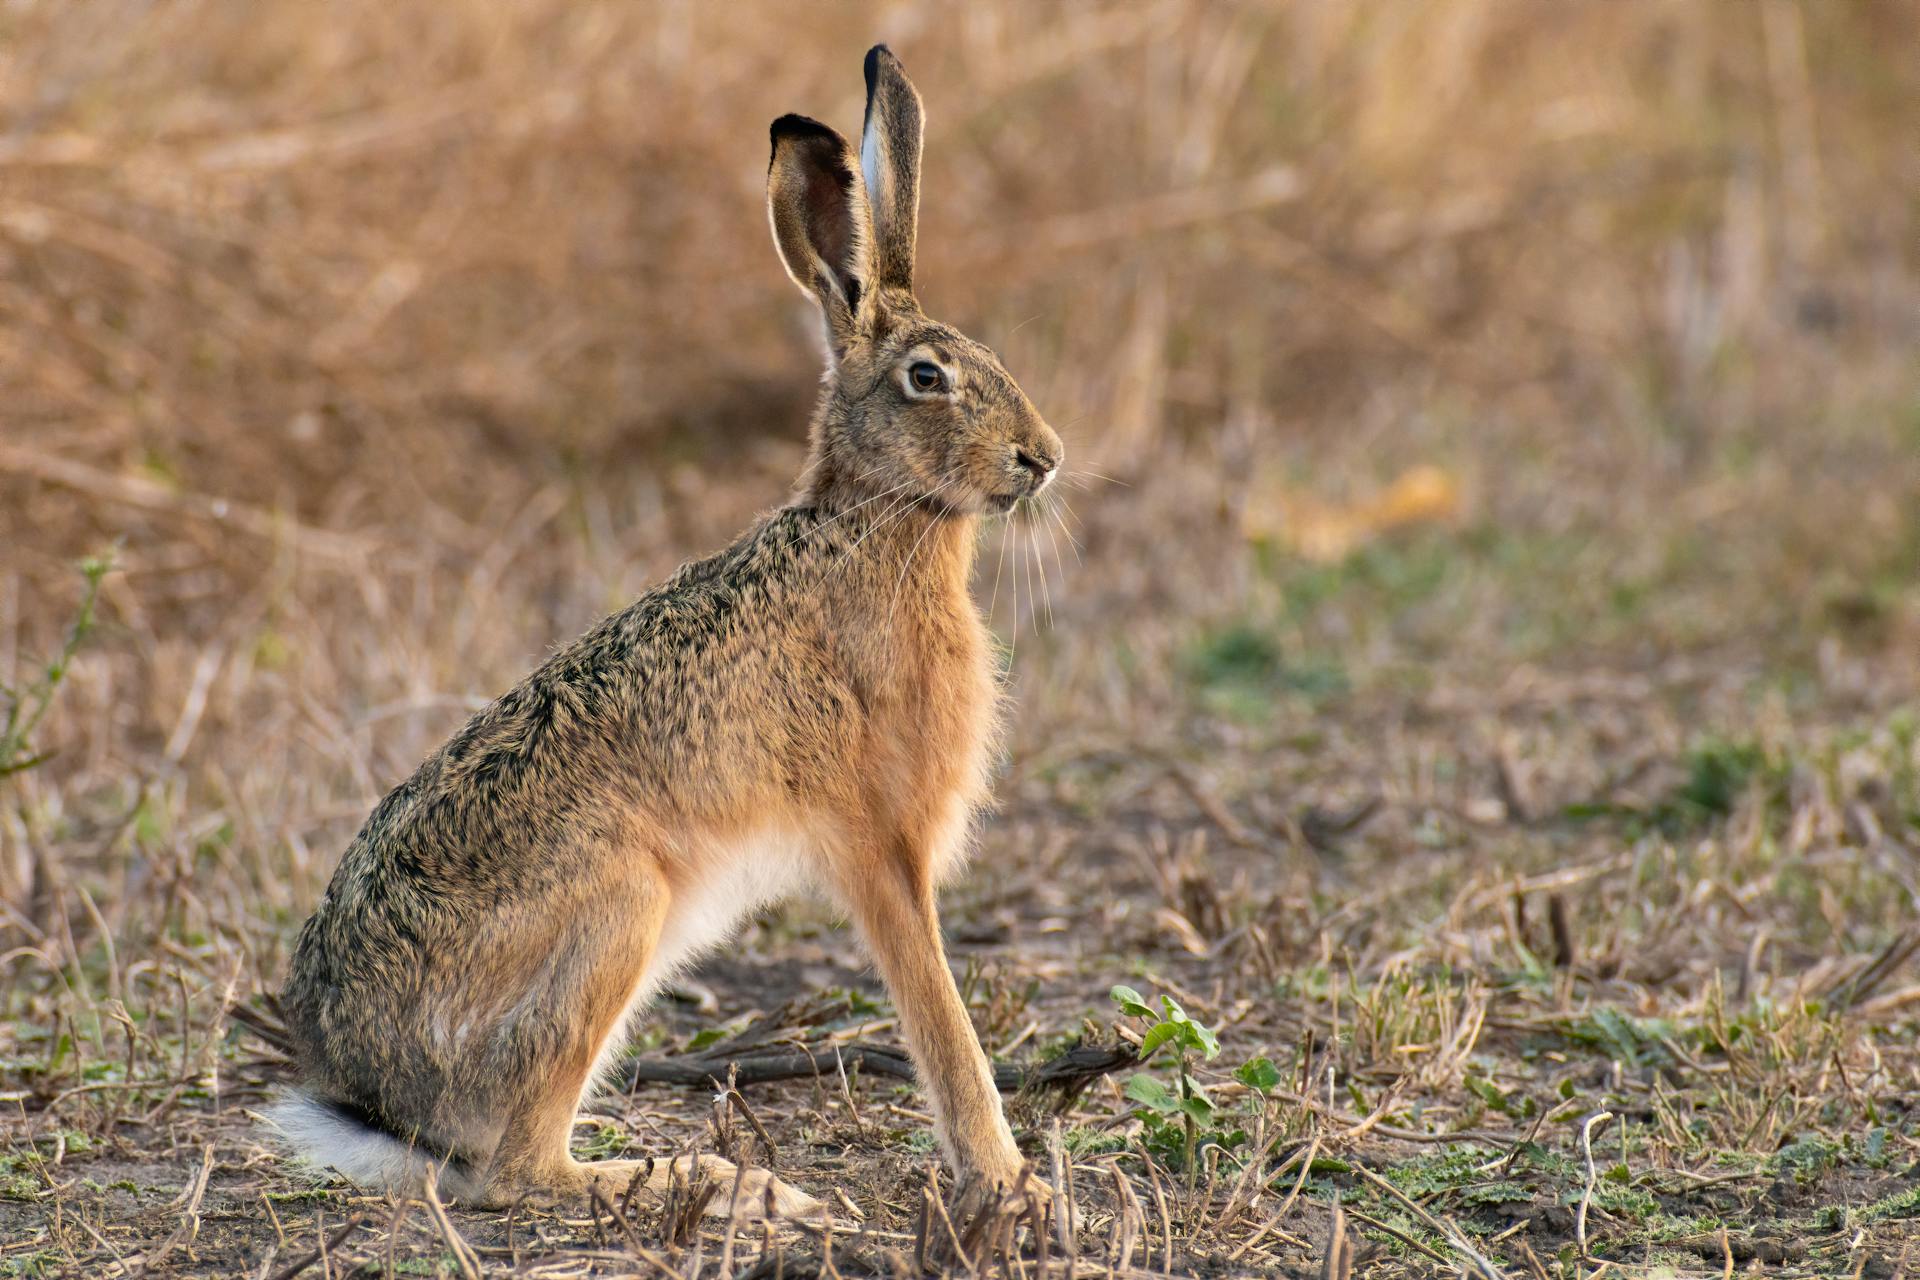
(1010,1187)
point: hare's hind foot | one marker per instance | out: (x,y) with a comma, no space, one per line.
(756,1192)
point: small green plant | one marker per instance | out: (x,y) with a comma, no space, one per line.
(26,707)
(1175,1122)
(1806,1159)
(1239,669)
(604,1143)
(1718,773)
(31,1266)
(17,1179)
(1516,1104)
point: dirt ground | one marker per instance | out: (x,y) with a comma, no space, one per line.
(1471,964)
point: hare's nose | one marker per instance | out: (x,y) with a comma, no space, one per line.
(1037,466)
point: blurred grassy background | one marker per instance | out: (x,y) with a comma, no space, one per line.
(1500,426)
(399,249)
(393,341)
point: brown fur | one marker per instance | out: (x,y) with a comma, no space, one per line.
(815,705)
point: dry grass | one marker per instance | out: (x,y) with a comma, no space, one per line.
(387,344)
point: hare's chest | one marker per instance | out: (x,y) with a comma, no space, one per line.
(957,740)
(731,880)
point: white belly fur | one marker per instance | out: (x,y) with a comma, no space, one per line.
(735,882)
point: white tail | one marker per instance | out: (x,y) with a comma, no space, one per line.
(330,1138)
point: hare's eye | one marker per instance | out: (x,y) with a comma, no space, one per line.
(926,377)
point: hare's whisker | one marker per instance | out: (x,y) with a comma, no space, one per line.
(1025,547)
(895,511)
(841,515)
(1040,567)
(1013,581)
(906,568)
(1053,510)
(1022,581)
(998,565)
(893,515)
(1059,564)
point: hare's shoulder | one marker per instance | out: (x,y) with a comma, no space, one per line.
(656,646)
(747,581)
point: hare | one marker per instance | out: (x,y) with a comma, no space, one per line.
(814,707)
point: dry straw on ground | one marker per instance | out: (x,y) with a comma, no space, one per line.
(385,344)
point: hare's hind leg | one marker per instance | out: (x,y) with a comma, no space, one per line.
(547,1046)
(567,1025)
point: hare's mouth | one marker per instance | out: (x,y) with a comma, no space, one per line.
(1001,503)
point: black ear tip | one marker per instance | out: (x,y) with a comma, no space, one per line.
(789,128)
(798,126)
(872,68)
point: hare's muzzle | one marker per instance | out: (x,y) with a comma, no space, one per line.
(1039,467)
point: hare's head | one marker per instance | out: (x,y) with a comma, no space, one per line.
(911,406)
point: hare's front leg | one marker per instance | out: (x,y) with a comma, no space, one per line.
(891,899)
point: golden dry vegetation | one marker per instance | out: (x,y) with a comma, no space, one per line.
(1477,675)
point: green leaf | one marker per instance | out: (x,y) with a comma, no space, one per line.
(1131,1003)
(1206,1041)
(1197,1109)
(1174,1012)
(1157,1038)
(704,1037)
(1488,1093)
(1258,1073)
(1149,1092)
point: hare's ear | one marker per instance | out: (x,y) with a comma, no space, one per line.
(890,160)
(821,225)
